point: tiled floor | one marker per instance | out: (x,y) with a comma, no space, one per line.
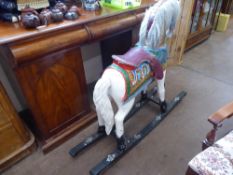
(207,76)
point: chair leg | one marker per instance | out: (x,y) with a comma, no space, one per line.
(210,138)
(190,172)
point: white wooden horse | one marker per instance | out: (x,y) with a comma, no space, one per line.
(157,25)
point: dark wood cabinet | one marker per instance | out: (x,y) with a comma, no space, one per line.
(55,88)
(47,64)
(203,19)
(48,67)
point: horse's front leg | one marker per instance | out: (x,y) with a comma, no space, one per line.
(161,92)
(123,110)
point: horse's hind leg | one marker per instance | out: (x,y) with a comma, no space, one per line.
(101,128)
(161,92)
(123,110)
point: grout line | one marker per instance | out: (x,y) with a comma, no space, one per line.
(205,75)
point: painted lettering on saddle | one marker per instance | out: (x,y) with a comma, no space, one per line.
(139,74)
(136,79)
(138,55)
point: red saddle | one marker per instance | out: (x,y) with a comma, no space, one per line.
(137,55)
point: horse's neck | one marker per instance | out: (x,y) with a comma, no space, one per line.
(162,44)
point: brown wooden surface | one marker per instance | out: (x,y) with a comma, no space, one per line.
(48,66)
(13,134)
(10,33)
(55,88)
(222,114)
(69,131)
(27,45)
(178,41)
(90,26)
(198,37)
(49,69)
(216,119)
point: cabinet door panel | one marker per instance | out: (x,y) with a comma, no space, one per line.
(55,89)
(196,15)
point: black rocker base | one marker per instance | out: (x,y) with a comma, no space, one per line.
(85,144)
(111,158)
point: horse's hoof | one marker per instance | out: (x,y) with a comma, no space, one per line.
(163,106)
(121,143)
(101,129)
(143,96)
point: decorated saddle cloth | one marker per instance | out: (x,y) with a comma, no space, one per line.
(139,54)
(136,79)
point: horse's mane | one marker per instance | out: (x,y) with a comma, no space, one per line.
(158,23)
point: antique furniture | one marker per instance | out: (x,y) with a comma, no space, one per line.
(227,7)
(202,23)
(48,66)
(15,139)
(218,156)
(128,77)
(133,74)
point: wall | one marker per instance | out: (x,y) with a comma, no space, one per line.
(92,61)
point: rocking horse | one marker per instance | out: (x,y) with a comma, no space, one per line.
(129,76)
(131,73)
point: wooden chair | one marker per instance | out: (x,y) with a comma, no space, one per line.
(221,150)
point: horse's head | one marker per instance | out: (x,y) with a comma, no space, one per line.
(159,23)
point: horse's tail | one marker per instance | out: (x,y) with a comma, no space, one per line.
(102,102)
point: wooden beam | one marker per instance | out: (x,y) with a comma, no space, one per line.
(178,41)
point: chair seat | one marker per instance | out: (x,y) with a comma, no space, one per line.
(215,160)
(226,144)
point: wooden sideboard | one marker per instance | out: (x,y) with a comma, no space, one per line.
(47,65)
(15,140)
